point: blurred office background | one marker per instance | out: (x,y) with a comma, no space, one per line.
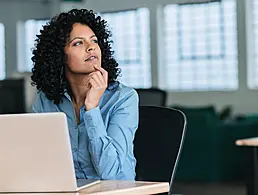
(202,53)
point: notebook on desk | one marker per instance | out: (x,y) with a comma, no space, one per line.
(35,154)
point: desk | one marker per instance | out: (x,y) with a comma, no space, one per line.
(252,185)
(109,187)
(126,187)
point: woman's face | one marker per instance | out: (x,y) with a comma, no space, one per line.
(82,50)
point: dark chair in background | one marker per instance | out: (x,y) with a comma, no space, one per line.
(12,96)
(152,96)
(158,143)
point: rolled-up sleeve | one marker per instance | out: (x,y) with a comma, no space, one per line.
(110,144)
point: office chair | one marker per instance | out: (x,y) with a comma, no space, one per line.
(12,98)
(152,96)
(158,143)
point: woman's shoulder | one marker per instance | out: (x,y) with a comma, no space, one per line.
(122,89)
(41,96)
(119,94)
(41,101)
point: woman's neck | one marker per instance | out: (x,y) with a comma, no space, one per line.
(78,90)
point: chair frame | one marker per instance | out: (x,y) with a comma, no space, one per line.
(179,151)
(179,145)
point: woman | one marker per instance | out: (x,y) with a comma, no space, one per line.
(75,73)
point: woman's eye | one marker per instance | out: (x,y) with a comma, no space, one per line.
(77,43)
(95,41)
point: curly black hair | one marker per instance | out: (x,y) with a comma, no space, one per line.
(49,58)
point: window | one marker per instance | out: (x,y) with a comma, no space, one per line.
(26,36)
(130,30)
(253,67)
(2,52)
(201,47)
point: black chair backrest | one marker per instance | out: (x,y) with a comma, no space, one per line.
(158,143)
(152,96)
(12,96)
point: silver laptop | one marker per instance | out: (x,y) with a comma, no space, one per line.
(35,154)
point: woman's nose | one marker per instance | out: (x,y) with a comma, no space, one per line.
(90,47)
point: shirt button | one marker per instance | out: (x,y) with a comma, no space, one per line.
(75,150)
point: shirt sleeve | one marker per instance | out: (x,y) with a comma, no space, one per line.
(109,145)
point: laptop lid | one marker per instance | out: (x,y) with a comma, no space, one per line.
(35,153)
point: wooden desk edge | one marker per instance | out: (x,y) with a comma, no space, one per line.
(154,188)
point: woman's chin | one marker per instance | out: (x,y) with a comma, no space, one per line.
(91,69)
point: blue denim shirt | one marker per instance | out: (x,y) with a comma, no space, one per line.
(102,144)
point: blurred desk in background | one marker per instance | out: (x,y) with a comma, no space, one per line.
(248,142)
(252,178)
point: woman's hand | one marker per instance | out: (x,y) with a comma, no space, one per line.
(97,82)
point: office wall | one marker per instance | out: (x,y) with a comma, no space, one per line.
(11,11)
(244,100)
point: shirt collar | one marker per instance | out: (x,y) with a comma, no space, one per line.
(67,96)
(113,85)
